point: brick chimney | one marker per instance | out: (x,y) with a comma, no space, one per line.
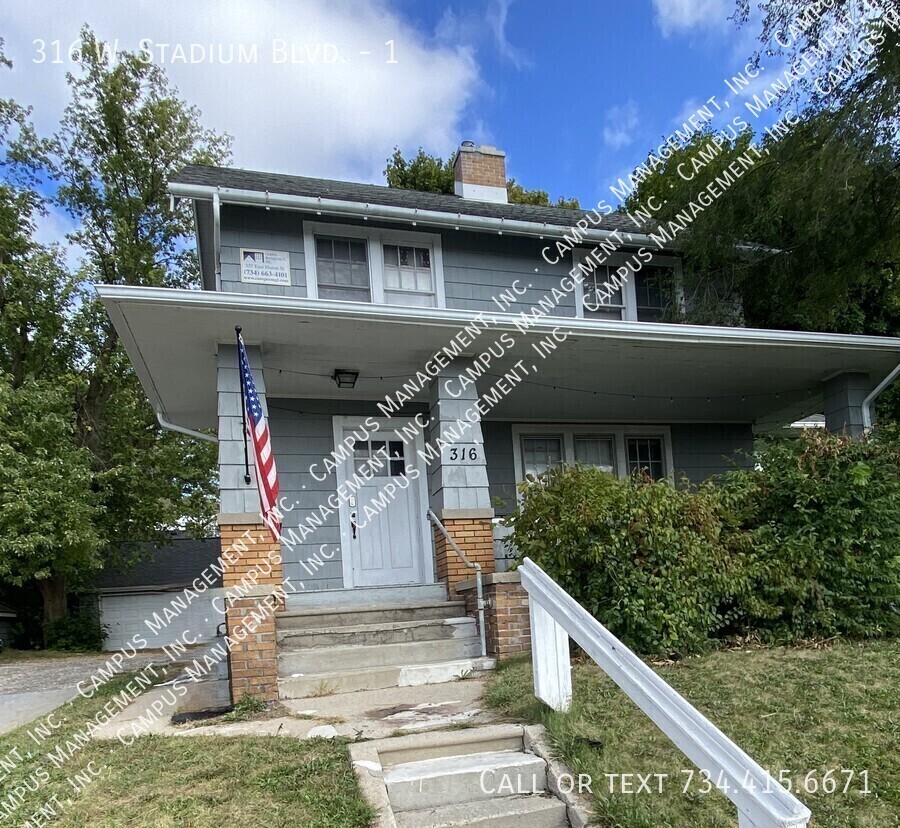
(479,173)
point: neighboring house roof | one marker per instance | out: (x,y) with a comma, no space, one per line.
(172,566)
(298,185)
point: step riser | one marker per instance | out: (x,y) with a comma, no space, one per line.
(306,639)
(355,617)
(324,684)
(547,813)
(468,786)
(318,660)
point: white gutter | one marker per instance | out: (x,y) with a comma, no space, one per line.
(867,402)
(182,430)
(645,332)
(458,221)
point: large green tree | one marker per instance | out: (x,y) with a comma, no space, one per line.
(432,174)
(809,238)
(85,467)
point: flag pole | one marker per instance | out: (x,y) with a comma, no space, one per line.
(237,334)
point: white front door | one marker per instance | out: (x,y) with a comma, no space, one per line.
(382,509)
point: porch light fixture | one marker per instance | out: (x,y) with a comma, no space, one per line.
(344,377)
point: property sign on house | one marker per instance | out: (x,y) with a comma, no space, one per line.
(265,267)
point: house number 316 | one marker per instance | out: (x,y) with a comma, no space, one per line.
(462,454)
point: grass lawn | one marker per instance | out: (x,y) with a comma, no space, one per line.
(799,710)
(183,781)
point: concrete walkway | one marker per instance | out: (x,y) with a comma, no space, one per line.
(368,714)
(31,688)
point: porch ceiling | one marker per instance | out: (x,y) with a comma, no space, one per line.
(604,371)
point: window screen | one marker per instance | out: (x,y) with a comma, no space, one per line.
(541,453)
(648,288)
(595,451)
(342,269)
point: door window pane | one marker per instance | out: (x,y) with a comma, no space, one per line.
(541,453)
(595,451)
(645,456)
(342,269)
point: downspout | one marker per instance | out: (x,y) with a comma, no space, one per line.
(867,402)
(217,239)
(182,430)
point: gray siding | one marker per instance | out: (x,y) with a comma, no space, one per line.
(269,230)
(704,450)
(303,434)
(498,450)
(476,266)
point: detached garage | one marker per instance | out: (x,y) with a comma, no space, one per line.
(127,599)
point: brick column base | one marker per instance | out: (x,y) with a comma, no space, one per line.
(475,536)
(506,621)
(252,578)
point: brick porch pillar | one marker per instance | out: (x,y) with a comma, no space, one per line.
(252,578)
(506,621)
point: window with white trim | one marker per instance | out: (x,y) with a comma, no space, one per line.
(638,295)
(618,449)
(361,264)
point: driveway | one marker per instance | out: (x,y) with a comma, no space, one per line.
(30,689)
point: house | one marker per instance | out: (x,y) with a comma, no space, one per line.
(420,351)
(127,599)
(7,624)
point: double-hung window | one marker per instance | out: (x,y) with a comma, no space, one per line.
(361,264)
(620,289)
(342,269)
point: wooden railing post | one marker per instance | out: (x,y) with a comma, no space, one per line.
(550,659)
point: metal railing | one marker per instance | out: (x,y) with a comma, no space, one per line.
(474,565)
(761,801)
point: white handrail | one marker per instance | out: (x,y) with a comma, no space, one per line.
(762,802)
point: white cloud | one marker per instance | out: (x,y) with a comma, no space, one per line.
(310,103)
(620,125)
(676,16)
(497,15)
(51,228)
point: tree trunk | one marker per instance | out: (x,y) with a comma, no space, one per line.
(53,591)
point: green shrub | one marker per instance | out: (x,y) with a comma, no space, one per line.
(819,521)
(644,558)
(79,632)
(806,543)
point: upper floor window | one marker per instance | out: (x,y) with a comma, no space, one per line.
(362,264)
(638,296)
(342,269)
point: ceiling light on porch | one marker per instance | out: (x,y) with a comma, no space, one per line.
(344,377)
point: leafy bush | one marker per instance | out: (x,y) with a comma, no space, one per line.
(644,558)
(79,632)
(819,519)
(805,544)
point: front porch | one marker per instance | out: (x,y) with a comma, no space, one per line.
(449,411)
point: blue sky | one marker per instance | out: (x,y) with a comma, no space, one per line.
(575,92)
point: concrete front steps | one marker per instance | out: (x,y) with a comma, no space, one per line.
(488,777)
(417,638)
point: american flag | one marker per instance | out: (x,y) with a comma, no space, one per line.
(258,435)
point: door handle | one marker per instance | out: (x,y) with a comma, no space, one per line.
(353,524)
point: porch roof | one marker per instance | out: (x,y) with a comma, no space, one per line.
(603,372)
